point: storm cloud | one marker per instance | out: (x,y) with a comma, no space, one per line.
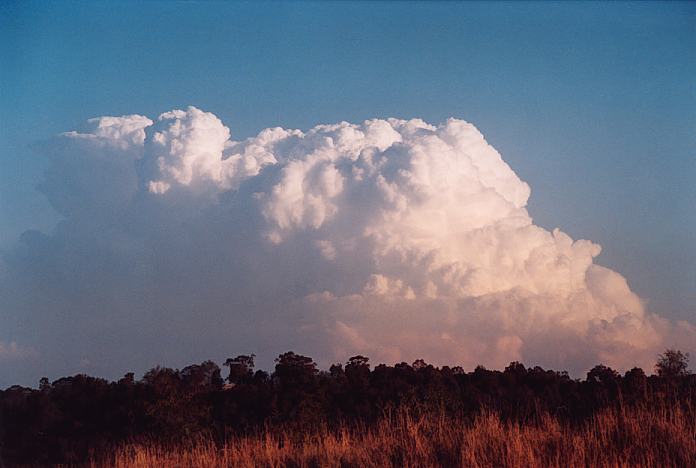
(396,239)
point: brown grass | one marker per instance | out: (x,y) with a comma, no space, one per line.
(614,438)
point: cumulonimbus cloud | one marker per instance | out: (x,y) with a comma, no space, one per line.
(392,238)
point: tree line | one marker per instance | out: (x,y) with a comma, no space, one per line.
(68,420)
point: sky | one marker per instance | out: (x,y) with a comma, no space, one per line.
(592,105)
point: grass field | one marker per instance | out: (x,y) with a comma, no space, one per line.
(615,438)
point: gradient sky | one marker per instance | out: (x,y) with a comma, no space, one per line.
(593,104)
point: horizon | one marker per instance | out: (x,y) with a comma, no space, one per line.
(365,360)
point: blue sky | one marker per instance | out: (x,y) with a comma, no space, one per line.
(593,104)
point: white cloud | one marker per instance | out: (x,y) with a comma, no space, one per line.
(192,148)
(124,131)
(187,149)
(392,238)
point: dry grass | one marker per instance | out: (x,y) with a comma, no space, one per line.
(615,438)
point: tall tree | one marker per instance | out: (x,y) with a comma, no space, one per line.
(672,363)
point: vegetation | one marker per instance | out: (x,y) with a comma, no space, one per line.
(640,437)
(352,415)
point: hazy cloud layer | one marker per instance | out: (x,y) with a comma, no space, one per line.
(13,352)
(392,238)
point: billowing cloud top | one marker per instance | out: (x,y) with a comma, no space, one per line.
(392,238)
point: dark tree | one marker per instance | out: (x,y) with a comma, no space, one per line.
(635,384)
(204,376)
(358,370)
(241,368)
(672,363)
(127,379)
(44,384)
(602,374)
